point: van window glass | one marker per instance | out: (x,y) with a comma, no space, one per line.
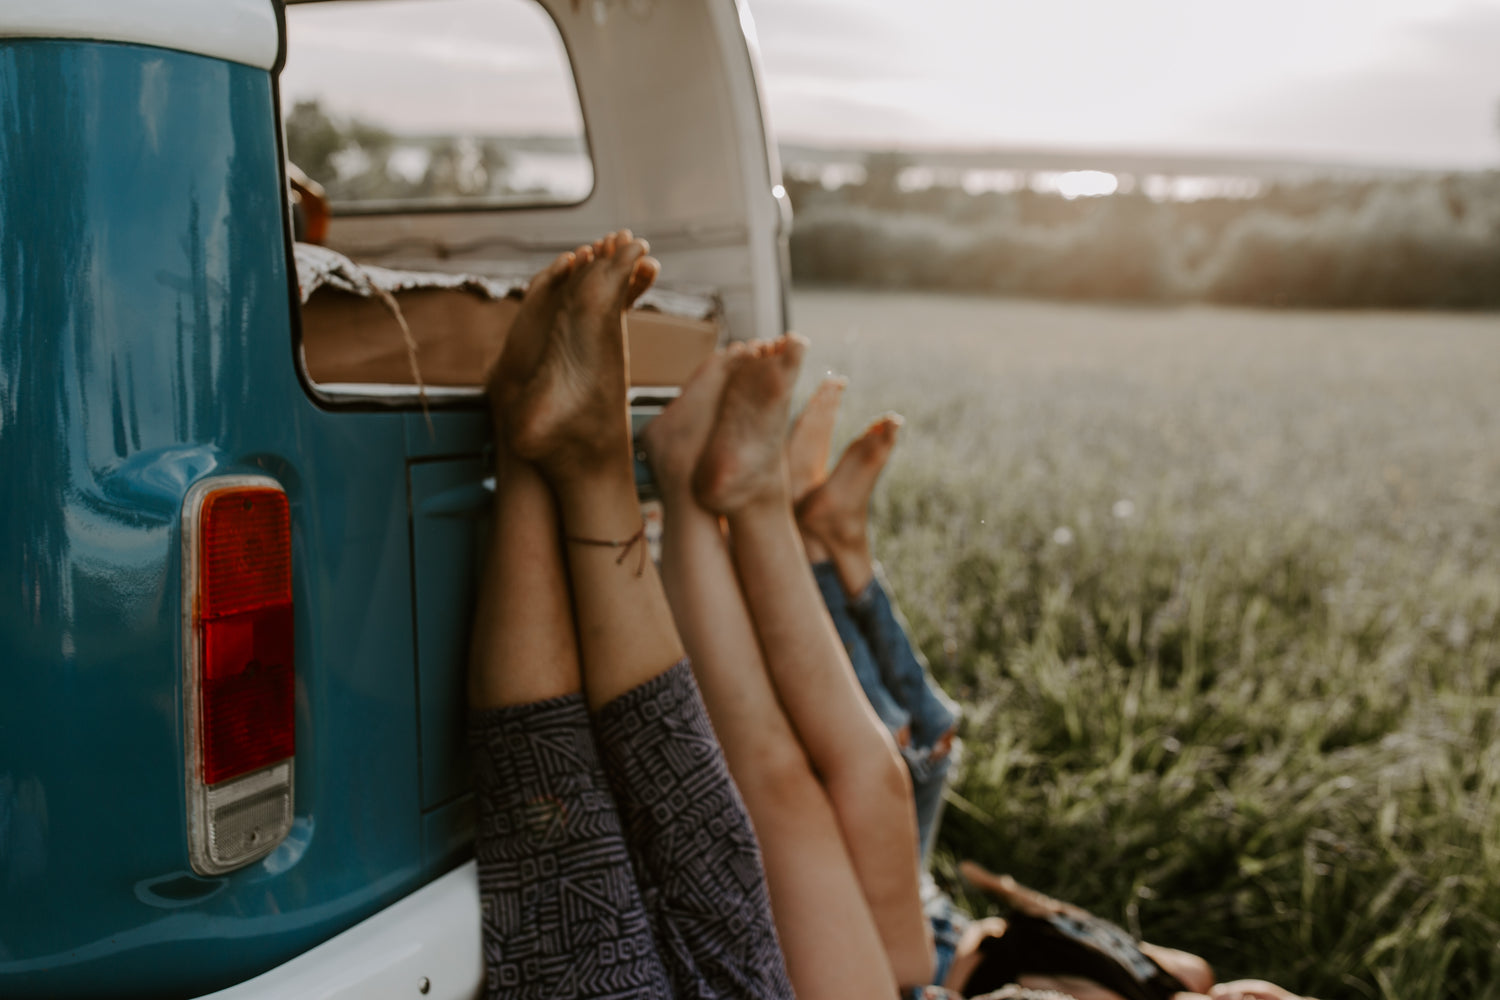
(400,104)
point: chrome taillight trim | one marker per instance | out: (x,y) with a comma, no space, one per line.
(204,801)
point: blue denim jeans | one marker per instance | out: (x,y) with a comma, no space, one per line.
(948,925)
(866,669)
(928,779)
(902,667)
(894,678)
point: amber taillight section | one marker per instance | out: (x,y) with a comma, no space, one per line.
(244,625)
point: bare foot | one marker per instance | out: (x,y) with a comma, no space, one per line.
(811,439)
(528,333)
(563,405)
(836,514)
(646,270)
(674,440)
(745,458)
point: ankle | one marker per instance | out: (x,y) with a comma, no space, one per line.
(601,524)
(773,501)
(855,572)
(762,515)
(672,483)
(816,551)
(676,495)
(590,484)
(845,537)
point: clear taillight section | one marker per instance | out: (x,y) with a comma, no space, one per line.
(239,678)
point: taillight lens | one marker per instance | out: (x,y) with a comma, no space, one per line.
(245,622)
(240,671)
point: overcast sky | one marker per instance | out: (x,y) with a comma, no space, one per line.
(1413,82)
(1382,81)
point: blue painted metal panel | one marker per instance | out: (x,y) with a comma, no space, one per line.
(448,432)
(144,343)
(450,508)
(448,833)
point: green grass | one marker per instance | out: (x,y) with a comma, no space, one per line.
(1221,593)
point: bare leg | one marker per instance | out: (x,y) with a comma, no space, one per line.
(524,649)
(808,448)
(742,476)
(814,428)
(833,949)
(569,414)
(695,853)
(836,515)
(546,820)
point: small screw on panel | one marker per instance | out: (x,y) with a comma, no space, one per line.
(424,985)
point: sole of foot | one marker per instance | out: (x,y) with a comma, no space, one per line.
(837,511)
(674,441)
(526,339)
(811,440)
(567,411)
(744,460)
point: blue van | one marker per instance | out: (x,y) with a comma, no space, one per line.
(234,632)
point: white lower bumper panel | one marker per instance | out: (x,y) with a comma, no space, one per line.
(429,938)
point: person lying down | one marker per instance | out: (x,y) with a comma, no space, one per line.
(682,790)
(1043,935)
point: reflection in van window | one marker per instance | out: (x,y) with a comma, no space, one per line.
(397,104)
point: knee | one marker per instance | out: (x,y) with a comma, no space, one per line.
(875,782)
(885,774)
(894,777)
(778,775)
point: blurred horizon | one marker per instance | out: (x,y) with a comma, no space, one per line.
(1320,153)
(1405,84)
(1374,83)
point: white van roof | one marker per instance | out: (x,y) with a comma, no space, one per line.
(242,31)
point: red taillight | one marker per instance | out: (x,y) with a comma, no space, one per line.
(245,627)
(247,693)
(238,671)
(247,551)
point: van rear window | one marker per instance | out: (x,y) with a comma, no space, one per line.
(395,105)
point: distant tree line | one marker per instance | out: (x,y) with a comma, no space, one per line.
(353,160)
(1424,241)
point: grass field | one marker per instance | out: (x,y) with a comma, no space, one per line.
(1221,593)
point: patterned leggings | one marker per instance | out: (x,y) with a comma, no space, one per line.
(616,859)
